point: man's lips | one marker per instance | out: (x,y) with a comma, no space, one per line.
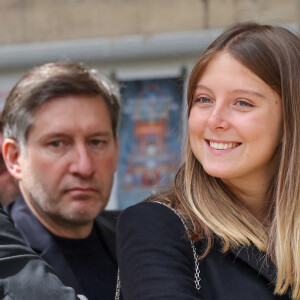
(222,145)
(81,190)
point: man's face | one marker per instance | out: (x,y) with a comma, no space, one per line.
(68,166)
(8,188)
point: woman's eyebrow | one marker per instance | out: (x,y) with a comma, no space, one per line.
(202,87)
(244,91)
(248,91)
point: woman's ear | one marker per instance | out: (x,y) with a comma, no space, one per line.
(11,152)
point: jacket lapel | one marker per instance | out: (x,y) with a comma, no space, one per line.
(42,242)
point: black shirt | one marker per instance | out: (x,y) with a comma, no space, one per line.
(88,259)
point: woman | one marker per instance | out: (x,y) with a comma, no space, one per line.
(238,192)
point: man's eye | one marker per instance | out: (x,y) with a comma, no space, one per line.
(55,144)
(96,142)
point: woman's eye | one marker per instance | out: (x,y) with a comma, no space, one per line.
(203,100)
(244,103)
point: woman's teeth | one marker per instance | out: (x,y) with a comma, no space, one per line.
(222,146)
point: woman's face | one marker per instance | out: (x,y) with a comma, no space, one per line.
(235,122)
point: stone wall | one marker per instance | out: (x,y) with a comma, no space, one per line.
(27,21)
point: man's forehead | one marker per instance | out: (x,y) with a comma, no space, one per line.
(68,99)
(68,115)
(62,105)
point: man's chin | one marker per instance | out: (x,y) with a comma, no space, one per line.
(77,212)
(83,215)
(77,219)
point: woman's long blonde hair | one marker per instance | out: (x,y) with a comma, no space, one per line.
(209,207)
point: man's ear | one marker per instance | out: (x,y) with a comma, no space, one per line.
(11,152)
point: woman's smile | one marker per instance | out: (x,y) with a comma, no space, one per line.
(222,145)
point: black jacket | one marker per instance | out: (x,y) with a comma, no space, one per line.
(43,243)
(23,274)
(156,262)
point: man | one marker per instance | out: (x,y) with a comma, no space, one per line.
(8,188)
(60,128)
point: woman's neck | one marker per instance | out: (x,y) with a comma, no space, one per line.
(254,195)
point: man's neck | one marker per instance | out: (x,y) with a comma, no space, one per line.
(69,232)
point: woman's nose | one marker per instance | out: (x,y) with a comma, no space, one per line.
(218,118)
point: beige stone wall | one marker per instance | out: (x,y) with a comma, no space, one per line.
(24,21)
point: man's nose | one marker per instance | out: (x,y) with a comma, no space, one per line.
(82,162)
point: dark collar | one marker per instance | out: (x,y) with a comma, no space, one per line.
(33,232)
(257,260)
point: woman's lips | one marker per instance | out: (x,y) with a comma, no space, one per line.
(222,145)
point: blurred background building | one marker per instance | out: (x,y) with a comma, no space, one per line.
(148,46)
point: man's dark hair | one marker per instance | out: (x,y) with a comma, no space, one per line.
(49,81)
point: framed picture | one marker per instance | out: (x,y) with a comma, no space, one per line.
(149,133)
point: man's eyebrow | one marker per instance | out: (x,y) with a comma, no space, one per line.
(62,134)
(54,134)
(101,133)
